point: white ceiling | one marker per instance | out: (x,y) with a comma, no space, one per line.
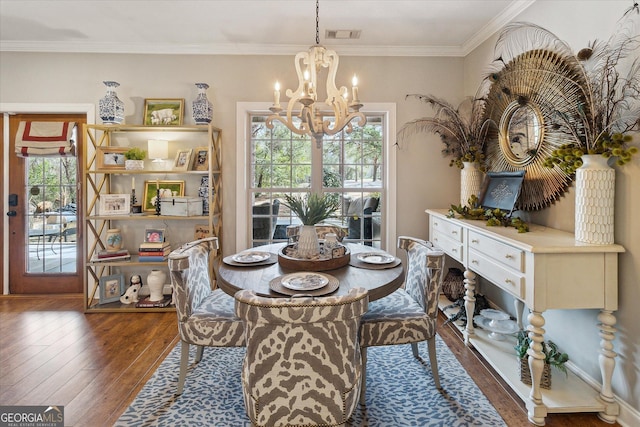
(388,27)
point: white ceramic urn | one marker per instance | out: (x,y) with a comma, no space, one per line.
(155,281)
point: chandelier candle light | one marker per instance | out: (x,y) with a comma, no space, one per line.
(311,122)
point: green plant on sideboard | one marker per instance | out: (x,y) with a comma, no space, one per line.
(552,356)
(135,153)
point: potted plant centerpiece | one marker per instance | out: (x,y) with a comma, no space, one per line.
(134,158)
(312,208)
(463,131)
(553,358)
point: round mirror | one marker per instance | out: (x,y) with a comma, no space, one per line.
(523,100)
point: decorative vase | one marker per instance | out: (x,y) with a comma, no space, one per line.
(155,281)
(470,182)
(308,244)
(134,164)
(113,240)
(202,108)
(595,197)
(110,107)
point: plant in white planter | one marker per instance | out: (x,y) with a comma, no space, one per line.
(134,158)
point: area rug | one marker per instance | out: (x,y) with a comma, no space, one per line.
(400,392)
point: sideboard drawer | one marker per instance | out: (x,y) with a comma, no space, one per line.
(449,246)
(504,277)
(447,228)
(501,252)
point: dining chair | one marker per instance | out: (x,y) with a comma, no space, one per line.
(407,315)
(206,317)
(302,366)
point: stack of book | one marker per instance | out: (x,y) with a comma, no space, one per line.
(153,251)
(147,303)
(119,255)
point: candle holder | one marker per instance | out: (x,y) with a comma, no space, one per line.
(158,201)
(133,198)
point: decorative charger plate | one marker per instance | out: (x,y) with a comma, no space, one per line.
(375,258)
(250,257)
(332,285)
(304,281)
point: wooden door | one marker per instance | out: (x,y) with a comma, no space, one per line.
(45,249)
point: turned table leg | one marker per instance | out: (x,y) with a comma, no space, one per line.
(607,364)
(469,304)
(536,365)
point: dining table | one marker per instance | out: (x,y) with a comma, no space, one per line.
(380,276)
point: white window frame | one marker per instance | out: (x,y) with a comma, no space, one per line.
(243,193)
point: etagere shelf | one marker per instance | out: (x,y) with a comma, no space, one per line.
(100,181)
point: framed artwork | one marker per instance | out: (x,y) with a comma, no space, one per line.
(201,231)
(501,190)
(183,160)
(163,112)
(154,235)
(201,159)
(115,204)
(167,189)
(111,287)
(110,157)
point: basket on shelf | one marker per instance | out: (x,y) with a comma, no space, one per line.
(525,374)
(453,285)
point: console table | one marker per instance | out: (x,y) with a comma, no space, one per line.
(543,269)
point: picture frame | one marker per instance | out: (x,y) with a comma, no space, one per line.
(115,204)
(500,190)
(111,288)
(183,160)
(110,157)
(167,188)
(163,111)
(201,231)
(201,159)
(154,235)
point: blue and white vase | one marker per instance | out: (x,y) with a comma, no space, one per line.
(110,107)
(202,108)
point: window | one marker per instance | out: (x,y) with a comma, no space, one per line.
(353,168)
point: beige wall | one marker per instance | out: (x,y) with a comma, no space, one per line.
(575,331)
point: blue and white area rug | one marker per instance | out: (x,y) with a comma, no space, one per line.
(400,392)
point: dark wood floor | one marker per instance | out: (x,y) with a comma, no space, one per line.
(51,353)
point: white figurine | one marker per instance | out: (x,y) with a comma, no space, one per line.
(131,295)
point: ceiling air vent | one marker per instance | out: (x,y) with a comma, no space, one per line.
(343,34)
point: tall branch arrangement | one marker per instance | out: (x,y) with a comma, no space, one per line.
(610,106)
(463,130)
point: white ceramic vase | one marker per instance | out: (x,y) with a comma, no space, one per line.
(470,182)
(155,281)
(595,197)
(308,244)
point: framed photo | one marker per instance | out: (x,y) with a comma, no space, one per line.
(111,287)
(501,190)
(163,112)
(154,235)
(201,159)
(183,160)
(167,189)
(115,204)
(110,157)
(201,231)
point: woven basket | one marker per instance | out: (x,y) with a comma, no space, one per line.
(453,285)
(525,374)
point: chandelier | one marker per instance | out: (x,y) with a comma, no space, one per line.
(309,65)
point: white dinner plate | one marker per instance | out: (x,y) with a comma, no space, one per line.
(375,258)
(304,281)
(250,257)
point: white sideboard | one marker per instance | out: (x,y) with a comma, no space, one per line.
(543,269)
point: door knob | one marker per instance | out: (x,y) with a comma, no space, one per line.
(12,213)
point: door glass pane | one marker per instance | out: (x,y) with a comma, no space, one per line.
(51,220)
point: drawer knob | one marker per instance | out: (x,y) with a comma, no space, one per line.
(454,232)
(508,256)
(474,261)
(475,241)
(454,250)
(509,281)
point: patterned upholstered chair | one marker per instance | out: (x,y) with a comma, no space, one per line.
(303,364)
(408,315)
(205,317)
